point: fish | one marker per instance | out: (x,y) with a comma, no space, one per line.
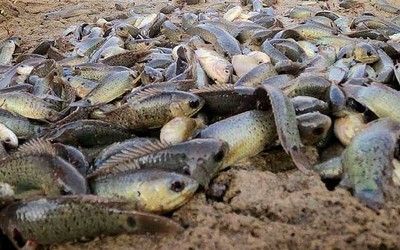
(223,42)
(95,71)
(87,133)
(21,126)
(180,129)
(48,221)
(111,87)
(200,159)
(6,52)
(385,6)
(36,169)
(226,100)
(281,62)
(307,104)
(154,191)
(125,59)
(367,161)
(126,30)
(286,126)
(380,99)
(257,75)
(246,134)
(68,12)
(153,108)
(383,67)
(313,32)
(28,105)
(308,85)
(300,12)
(111,51)
(171,31)
(232,13)
(313,127)
(81,86)
(216,67)
(365,53)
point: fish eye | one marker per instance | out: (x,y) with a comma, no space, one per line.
(219,156)
(194,104)
(121,28)
(131,222)
(177,186)
(369,53)
(227,71)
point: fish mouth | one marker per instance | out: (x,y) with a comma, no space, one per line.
(176,200)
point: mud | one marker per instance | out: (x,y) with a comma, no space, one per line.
(260,203)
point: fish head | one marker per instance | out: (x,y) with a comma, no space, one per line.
(223,73)
(346,52)
(122,30)
(207,160)
(168,192)
(186,104)
(314,127)
(365,53)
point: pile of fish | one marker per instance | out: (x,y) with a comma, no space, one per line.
(117,122)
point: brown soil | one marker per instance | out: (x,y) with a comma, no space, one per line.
(262,206)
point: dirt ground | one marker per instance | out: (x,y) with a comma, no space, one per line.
(259,207)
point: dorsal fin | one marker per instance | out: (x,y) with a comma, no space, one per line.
(125,160)
(36,147)
(144,93)
(212,88)
(136,152)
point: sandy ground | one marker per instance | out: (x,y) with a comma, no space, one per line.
(259,205)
